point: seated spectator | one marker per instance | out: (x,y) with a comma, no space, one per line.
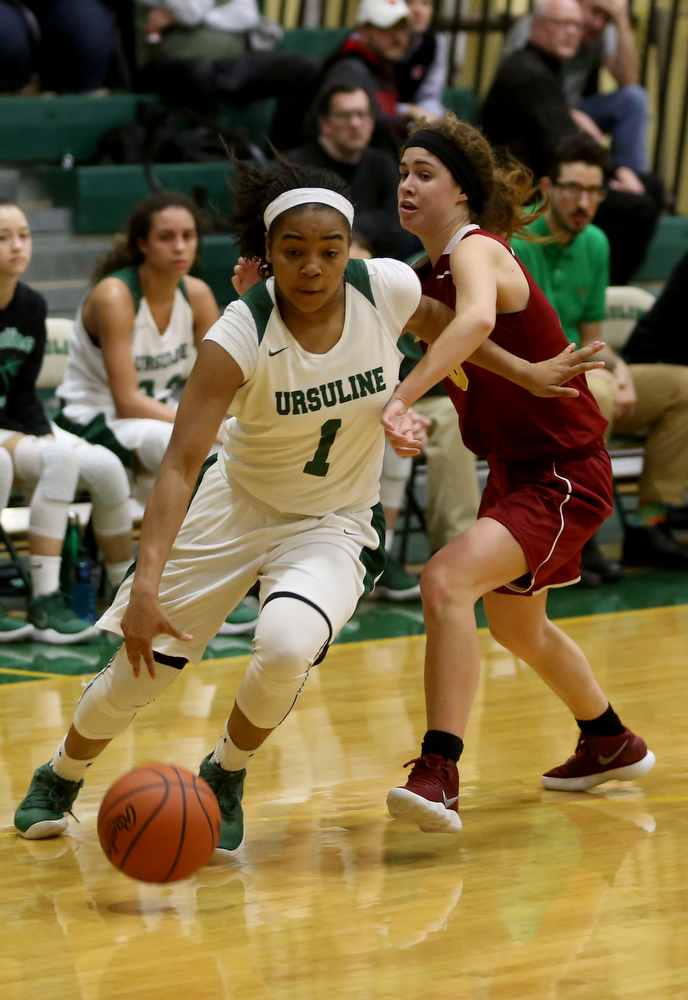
(422,74)
(453,493)
(527,111)
(345,128)
(659,337)
(198,52)
(572,270)
(200,29)
(607,42)
(369,57)
(68,42)
(133,336)
(46,459)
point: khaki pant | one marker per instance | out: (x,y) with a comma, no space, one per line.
(453,495)
(662,411)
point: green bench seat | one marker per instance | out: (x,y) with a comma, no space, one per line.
(46,129)
(102,197)
(668,245)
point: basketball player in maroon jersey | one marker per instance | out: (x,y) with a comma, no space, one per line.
(549,487)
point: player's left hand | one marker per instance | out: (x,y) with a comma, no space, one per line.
(547,378)
(405,429)
(246,275)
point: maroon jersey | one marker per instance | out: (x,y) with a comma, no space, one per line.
(500,418)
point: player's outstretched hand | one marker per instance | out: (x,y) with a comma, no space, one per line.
(246,275)
(141,622)
(405,429)
(547,378)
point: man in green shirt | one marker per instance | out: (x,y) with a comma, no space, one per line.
(572,268)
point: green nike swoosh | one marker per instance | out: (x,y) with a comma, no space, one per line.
(273,353)
(607,760)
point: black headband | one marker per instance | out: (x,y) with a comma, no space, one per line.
(454,159)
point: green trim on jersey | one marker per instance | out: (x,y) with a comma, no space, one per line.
(356,274)
(210,461)
(98,432)
(374,560)
(261,305)
(130,277)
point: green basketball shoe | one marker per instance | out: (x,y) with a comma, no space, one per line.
(42,813)
(54,621)
(14,629)
(229,788)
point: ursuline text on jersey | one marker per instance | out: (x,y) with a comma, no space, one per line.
(331,393)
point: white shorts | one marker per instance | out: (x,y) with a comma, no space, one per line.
(227,543)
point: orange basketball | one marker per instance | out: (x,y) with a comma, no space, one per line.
(159,823)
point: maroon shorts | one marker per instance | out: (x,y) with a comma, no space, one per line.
(551,509)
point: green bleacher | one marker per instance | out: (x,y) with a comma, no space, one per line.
(46,130)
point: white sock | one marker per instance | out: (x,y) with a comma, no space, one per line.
(389,539)
(228,755)
(116,572)
(66,767)
(45,574)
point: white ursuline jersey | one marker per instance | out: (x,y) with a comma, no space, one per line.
(305,435)
(160,359)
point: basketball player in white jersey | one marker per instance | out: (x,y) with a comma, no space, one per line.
(134,334)
(46,459)
(131,344)
(306,362)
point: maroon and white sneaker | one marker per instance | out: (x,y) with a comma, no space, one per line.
(430,797)
(600,758)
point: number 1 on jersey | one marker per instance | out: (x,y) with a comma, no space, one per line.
(319,465)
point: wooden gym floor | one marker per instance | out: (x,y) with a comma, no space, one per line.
(543,896)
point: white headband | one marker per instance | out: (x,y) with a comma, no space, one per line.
(308,196)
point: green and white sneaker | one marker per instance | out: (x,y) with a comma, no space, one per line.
(243,620)
(396,584)
(42,813)
(54,621)
(229,789)
(14,629)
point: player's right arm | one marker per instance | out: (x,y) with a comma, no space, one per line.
(109,316)
(206,398)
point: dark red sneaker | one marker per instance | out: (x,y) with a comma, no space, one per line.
(600,758)
(430,797)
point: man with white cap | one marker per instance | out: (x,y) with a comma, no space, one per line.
(369,57)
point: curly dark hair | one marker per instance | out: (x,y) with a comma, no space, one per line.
(254,189)
(504,183)
(127,253)
(578,148)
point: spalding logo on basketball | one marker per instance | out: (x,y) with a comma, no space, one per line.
(159,823)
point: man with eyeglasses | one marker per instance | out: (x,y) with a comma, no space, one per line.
(571,266)
(528,112)
(345,128)
(607,42)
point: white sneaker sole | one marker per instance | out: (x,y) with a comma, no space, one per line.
(54,638)
(627,773)
(22,634)
(220,854)
(431,817)
(48,828)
